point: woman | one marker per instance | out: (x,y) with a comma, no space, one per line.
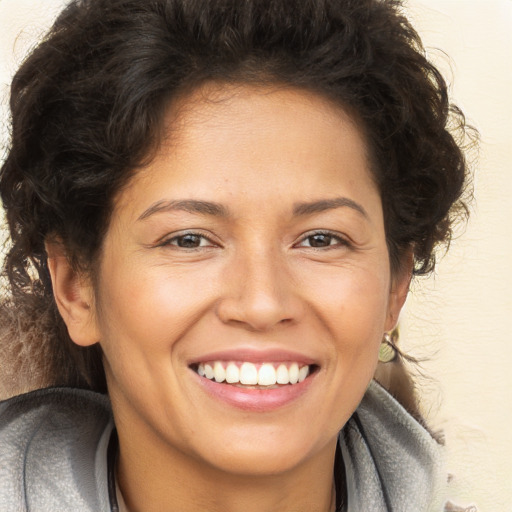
(215,210)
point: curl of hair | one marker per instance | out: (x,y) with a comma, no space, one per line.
(87,110)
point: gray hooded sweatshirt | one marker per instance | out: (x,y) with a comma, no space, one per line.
(54,445)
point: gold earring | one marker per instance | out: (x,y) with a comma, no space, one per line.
(387,350)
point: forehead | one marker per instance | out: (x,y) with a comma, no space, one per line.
(245,108)
(255,142)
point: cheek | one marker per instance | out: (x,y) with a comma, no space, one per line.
(352,306)
(149,308)
(353,300)
(144,313)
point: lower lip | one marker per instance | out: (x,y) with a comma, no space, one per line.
(257,400)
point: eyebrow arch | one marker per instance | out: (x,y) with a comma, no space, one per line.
(327,204)
(186,205)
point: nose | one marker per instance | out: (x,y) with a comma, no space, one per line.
(260,293)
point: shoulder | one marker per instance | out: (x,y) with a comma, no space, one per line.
(391,458)
(49,445)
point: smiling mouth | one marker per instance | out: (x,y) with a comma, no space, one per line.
(247,374)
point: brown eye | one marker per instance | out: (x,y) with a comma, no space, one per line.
(189,241)
(320,240)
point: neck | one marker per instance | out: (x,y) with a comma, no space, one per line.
(161,479)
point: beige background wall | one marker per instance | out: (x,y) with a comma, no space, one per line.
(464,313)
(459,318)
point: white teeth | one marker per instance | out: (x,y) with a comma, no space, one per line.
(282,376)
(218,372)
(232,373)
(248,374)
(303,373)
(267,375)
(294,373)
(208,371)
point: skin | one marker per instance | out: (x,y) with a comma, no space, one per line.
(254,282)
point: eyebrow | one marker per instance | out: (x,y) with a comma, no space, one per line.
(323,205)
(186,205)
(219,210)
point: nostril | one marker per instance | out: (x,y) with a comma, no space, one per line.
(255,317)
(260,303)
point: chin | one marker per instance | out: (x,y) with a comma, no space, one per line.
(267,453)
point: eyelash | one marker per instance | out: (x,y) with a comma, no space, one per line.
(176,238)
(340,241)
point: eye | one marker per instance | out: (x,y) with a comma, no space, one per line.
(189,241)
(319,240)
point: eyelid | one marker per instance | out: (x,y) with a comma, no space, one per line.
(167,239)
(342,239)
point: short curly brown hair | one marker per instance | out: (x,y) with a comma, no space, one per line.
(87,108)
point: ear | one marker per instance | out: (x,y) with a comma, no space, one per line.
(400,284)
(74,296)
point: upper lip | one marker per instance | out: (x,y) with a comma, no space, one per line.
(255,356)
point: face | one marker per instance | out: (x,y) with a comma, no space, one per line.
(244,283)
